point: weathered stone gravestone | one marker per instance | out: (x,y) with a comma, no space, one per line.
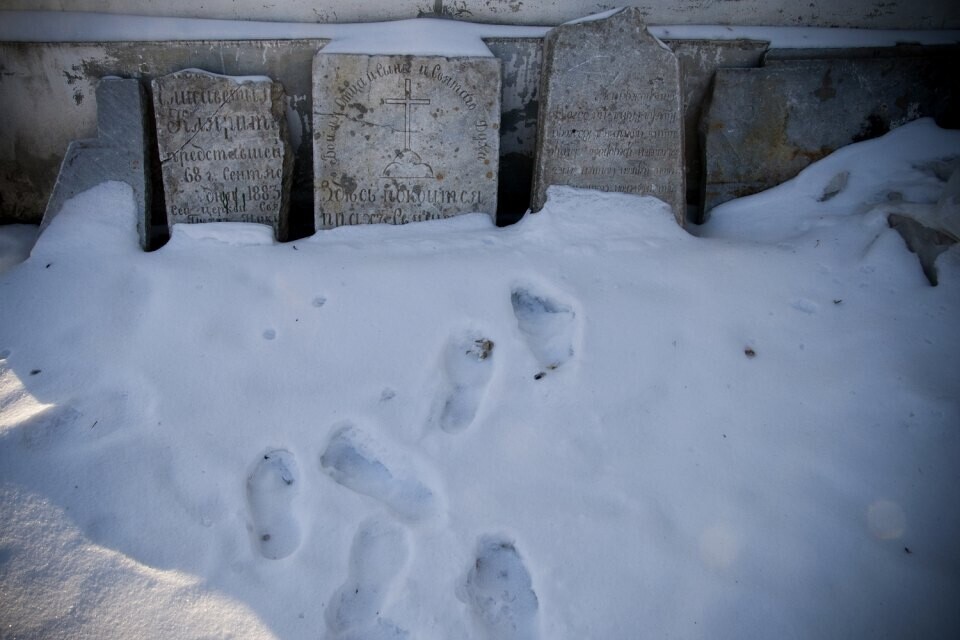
(610,112)
(400,139)
(224,152)
(764,125)
(119,152)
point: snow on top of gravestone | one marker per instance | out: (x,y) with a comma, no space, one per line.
(237,79)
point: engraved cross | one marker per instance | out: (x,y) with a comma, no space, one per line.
(406,101)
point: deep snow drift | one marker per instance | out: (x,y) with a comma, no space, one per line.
(591,424)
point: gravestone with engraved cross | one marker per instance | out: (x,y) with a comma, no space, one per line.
(610,112)
(401,139)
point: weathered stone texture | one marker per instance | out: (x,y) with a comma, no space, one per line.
(400,139)
(223,146)
(699,60)
(611,112)
(765,125)
(119,152)
(521,59)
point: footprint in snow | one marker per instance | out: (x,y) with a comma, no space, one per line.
(467,365)
(547,325)
(354,460)
(377,556)
(499,592)
(270,492)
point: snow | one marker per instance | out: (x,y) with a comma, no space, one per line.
(422,36)
(236,79)
(15,243)
(591,424)
(863,179)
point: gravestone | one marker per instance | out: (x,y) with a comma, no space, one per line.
(401,139)
(610,112)
(764,125)
(119,152)
(224,152)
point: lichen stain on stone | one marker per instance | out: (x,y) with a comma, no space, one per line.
(504,6)
(96,67)
(826,90)
(873,126)
(348,184)
(73,78)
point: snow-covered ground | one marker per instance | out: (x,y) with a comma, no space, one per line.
(591,424)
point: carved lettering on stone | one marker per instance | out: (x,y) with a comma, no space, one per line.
(401,139)
(223,149)
(610,112)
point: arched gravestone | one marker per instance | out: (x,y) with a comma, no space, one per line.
(610,112)
(401,139)
(224,152)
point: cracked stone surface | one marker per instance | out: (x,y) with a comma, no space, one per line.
(224,151)
(610,112)
(401,139)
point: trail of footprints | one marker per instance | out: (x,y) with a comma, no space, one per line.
(498,588)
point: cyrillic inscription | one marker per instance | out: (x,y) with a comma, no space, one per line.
(223,149)
(610,115)
(403,139)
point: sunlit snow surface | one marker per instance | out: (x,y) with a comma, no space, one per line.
(591,424)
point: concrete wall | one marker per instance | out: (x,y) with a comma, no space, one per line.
(874,14)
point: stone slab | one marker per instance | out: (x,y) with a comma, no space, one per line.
(521,59)
(926,242)
(763,126)
(400,139)
(224,153)
(699,61)
(119,152)
(610,112)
